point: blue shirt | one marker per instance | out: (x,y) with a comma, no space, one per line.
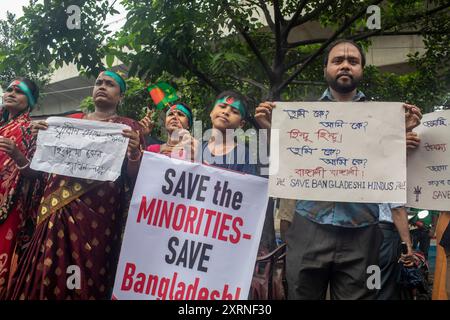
(239,159)
(327,96)
(386,212)
(342,214)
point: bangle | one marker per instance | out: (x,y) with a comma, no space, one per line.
(134,160)
(25,166)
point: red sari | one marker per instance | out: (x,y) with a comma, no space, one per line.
(79,223)
(14,192)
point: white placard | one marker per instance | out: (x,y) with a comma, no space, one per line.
(81,148)
(192,232)
(428,165)
(337,151)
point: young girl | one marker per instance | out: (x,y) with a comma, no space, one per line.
(230,112)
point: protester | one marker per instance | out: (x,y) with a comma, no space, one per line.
(442,273)
(333,243)
(16,149)
(80,221)
(230,112)
(423,229)
(393,222)
(445,243)
(180,144)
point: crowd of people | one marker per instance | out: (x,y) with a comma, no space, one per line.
(49,222)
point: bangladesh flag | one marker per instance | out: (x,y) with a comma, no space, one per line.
(162,94)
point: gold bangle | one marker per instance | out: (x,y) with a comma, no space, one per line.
(25,166)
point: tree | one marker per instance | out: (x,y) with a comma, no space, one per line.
(221,42)
(204,46)
(11,64)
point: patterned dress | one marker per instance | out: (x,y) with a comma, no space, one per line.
(74,251)
(14,193)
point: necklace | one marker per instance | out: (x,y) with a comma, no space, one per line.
(93,116)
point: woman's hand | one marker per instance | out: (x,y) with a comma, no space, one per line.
(147,123)
(9,147)
(38,125)
(133,151)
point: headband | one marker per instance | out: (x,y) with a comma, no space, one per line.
(119,80)
(182,109)
(232,102)
(23,86)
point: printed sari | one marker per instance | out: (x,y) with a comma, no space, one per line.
(14,192)
(74,251)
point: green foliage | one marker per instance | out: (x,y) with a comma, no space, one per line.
(11,64)
(205,46)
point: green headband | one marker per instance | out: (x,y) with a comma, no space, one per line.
(117,78)
(237,104)
(182,109)
(23,86)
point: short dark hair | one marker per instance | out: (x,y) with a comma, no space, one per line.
(237,96)
(339,41)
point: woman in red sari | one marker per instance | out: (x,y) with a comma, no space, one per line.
(74,251)
(16,147)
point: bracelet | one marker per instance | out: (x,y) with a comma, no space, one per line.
(134,160)
(25,166)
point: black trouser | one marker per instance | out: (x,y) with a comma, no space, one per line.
(321,255)
(420,236)
(390,268)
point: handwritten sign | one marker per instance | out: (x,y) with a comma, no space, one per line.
(191,234)
(81,148)
(335,151)
(429,164)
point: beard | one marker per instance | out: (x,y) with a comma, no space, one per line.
(345,87)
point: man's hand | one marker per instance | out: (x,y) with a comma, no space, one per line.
(431,233)
(408,258)
(263,114)
(412,116)
(412,140)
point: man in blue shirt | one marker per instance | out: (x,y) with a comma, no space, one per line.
(333,243)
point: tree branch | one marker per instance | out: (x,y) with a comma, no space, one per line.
(262,5)
(313,14)
(296,63)
(249,40)
(250,81)
(324,46)
(306,42)
(292,22)
(203,77)
(278,40)
(409,19)
(309,83)
(364,36)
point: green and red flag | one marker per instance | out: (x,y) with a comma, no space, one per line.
(162,94)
